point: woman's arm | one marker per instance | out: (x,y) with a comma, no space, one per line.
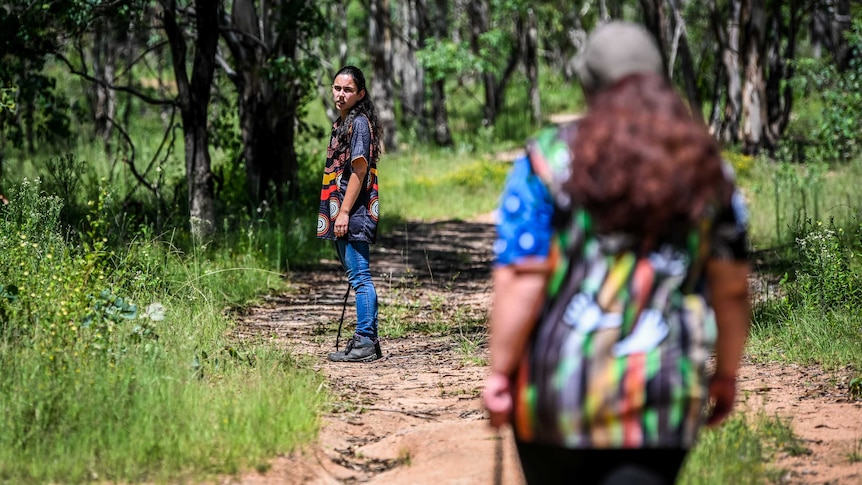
(354,186)
(728,291)
(518,295)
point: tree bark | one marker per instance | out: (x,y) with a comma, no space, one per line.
(193,99)
(727,31)
(408,70)
(531,64)
(480,22)
(655,19)
(689,77)
(754,87)
(829,20)
(103,99)
(442,135)
(381,88)
(780,99)
(333,46)
(268,102)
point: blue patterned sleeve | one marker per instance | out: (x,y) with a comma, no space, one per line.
(524,217)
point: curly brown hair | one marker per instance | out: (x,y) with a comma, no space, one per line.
(642,164)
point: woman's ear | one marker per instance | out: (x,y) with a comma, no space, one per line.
(361,95)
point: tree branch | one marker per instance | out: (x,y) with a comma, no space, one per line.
(124,89)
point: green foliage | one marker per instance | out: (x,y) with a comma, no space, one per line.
(443,59)
(740,162)
(836,135)
(824,279)
(739,450)
(855,388)
(784,197)
(95,387)
(7,99)
(29,32)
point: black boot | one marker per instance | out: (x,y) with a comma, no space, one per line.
(359,349)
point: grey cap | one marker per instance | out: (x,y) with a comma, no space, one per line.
(615,50)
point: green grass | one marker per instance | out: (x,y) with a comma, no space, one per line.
(784,196)
(805,225)
(739,451)
(94,388)
(123,405)
(439,185)
(808,337)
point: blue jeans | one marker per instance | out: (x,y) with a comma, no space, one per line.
(354,259)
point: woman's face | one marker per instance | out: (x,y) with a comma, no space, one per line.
(345,93)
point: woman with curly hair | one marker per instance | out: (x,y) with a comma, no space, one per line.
(349,204)
(620,265)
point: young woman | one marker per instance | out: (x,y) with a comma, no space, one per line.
(349,206)
(621,254)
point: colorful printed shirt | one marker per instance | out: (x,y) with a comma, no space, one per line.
(618,357)
(365,211)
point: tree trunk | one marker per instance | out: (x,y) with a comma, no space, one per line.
(409,72)
(727,31)
(268,106)
(480,22)
(680,45)
(655,19)
(332,46)
(829,20)
(442,135)
(193,98)
(381,88)
(754,87)
(531,64)
(104,99)
(780,100)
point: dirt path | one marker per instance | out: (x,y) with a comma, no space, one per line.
(415,417)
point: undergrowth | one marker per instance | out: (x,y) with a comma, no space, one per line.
(117,363)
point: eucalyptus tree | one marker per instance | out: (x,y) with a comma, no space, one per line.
(439,28)
(269,62)
(193,98)
(757,44)
(382,88)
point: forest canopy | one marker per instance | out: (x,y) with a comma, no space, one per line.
(156,80)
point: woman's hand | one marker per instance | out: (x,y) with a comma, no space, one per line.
(497,396)
(722,392)
(341,222)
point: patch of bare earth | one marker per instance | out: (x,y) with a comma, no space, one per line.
(415,416)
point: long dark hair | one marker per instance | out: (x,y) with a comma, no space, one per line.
(643,164)
(364,107)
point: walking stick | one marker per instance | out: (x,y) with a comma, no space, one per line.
(341,321)
(498,459)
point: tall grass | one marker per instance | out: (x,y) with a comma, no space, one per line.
(784,196)
(806,231)
(439,185)
(96,387)
(739,451)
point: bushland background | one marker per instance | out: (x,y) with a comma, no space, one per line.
(160,164)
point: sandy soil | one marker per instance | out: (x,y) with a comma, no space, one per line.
(415,416)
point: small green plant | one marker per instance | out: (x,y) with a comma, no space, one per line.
(824,278)
(405,457)
(855,454)
(855,388)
